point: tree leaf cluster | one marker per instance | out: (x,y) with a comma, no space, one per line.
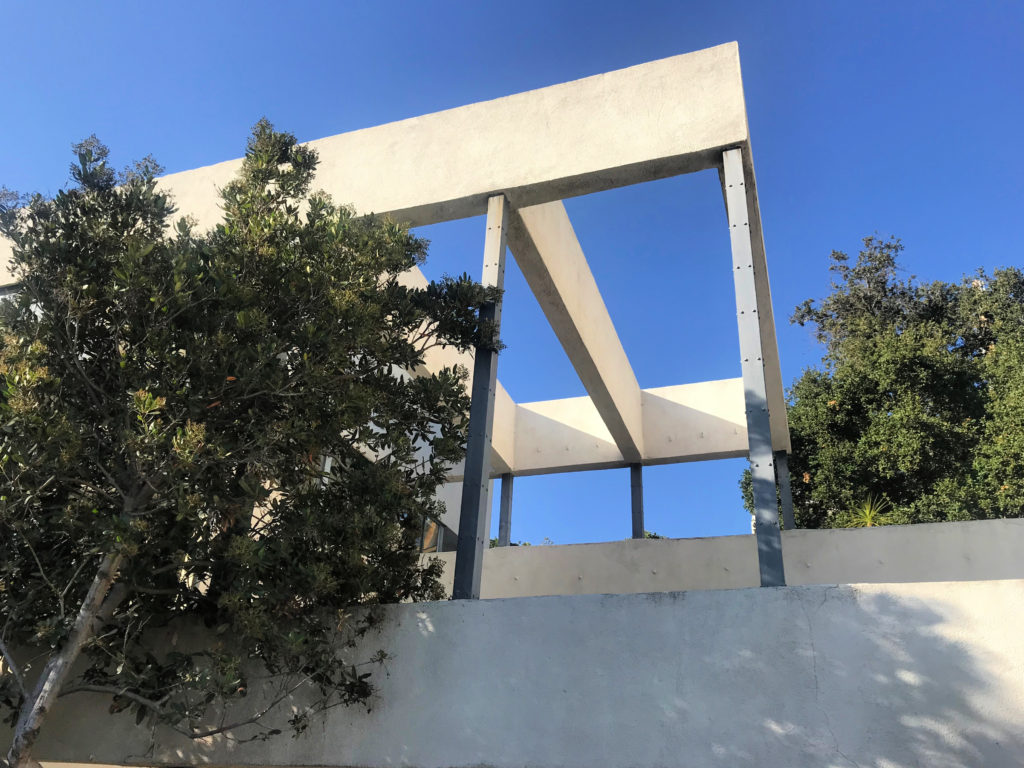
(233,417)
(918,406)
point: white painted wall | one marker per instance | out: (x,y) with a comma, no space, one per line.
(889,676)
(975,550)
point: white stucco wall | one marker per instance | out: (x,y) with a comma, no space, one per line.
(890,676)
(975,550)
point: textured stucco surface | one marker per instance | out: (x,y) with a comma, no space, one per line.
(893,676)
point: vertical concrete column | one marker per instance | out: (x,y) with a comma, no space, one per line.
(636,496)
(475,511)
(766,510)
(785,492)
(505,512)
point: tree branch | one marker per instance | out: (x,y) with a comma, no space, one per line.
(26,731)
(194,734)
(57,592)
(15,672)
(74,576)
(124,693)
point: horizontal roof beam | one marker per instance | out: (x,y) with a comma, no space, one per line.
(646,122)
(686,422)
(653,120)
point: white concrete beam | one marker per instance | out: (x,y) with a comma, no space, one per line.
(688,422)
(565,435)
(645,122)
(649,121)
(695,422)
(546,249)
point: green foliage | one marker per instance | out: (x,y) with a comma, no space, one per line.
(870,513)
(171,398)
(919,403)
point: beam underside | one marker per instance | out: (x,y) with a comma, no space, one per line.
(636,497)
(785,491)
(774,388)
(505,513)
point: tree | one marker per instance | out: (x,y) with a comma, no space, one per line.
(216,429)
(917,409)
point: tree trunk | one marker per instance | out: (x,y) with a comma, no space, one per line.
(55,674)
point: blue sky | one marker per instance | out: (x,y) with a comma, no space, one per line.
(891,117)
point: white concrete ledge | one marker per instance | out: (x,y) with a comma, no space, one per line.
(969,551)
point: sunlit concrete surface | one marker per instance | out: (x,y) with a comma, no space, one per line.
(552,261)
(968,551)
(645,122)
(685,422)
(894,675)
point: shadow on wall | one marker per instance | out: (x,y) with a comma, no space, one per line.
(892,684)
(886,676)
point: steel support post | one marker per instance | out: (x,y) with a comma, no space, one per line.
(474,514)
(785,492)
(766,511)
(636,494)
(505,512)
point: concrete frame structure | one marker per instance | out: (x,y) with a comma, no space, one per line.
(922,666)
(516,158)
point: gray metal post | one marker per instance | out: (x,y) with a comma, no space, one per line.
(505,513)
(636,493)
(473,536)
(766,511)
(785,492)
